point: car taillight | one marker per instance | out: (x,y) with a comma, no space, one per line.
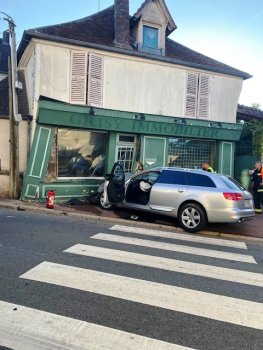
(233,196)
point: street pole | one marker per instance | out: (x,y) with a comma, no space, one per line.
(11,133)
(16,118)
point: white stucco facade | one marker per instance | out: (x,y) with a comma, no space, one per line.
(129,83)
(4,144)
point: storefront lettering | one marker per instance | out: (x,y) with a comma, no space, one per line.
(214,134)
(127,125)
(75,119)
(168,128)
(156,128)
(140,127)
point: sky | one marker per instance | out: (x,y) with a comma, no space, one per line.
(230,31)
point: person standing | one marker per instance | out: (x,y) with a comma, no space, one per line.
(257,187)
(206,167)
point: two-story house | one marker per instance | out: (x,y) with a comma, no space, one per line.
(114,87)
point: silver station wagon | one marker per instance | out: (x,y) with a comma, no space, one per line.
(194,197)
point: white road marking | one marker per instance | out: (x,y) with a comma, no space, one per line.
(212,306)
(220,273)
(175,248)
(180,236)
(31,329)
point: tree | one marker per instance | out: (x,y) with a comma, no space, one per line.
(255,105)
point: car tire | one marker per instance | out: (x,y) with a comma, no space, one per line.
(105,206)
(192,217)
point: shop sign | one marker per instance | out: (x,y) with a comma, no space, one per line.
(150,161)
(109,123)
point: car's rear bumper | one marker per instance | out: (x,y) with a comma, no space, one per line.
(231,215)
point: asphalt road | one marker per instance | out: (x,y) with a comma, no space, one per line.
(196,306)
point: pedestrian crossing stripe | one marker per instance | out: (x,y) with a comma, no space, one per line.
(211,306)
(220,273)
(32,329)
(175,248)
(180,236)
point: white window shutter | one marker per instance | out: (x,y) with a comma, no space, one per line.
(191,94)
(78,78)
(95,87)
(203,97)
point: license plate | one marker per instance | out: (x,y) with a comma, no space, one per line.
(247,203)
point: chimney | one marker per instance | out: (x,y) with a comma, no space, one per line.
(122,24)
(6,37)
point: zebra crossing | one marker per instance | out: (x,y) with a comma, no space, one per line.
(33,329)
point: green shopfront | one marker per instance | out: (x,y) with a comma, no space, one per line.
(74,146)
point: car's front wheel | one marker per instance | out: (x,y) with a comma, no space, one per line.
(103,205)
(192,217)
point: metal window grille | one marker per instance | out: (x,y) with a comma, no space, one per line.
(125,156)
(244,149)
(189,153)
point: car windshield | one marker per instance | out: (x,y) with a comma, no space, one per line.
(232,183)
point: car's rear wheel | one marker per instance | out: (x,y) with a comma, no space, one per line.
(103,205)
(192,217)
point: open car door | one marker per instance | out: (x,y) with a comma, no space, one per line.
(114,187)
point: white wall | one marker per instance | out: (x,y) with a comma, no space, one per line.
(54,72)
(142,87)
(160,89)
(131,84)
(225,94)
(4,144)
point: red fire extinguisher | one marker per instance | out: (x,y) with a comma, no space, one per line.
(50,199)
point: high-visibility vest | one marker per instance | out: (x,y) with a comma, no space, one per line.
(211,169)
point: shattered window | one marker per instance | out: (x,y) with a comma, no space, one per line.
(81,153)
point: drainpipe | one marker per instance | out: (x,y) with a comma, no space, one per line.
(29,120)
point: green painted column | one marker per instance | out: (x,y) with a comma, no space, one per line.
(38,161)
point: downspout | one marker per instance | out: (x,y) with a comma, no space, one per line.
(29,120)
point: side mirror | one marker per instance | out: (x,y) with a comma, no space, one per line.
(107,177)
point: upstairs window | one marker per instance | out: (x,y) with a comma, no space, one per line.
(150,37)
(197,95)
(86,79)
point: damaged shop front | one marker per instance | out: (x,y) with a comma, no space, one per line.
(74,146)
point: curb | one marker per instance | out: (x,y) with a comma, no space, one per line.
(123,221)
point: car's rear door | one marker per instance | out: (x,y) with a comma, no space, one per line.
(168,190)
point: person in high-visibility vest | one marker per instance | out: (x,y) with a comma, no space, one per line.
(257,186)
(206,167)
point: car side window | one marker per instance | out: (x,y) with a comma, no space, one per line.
(199,180)
(151,176)
(172,177)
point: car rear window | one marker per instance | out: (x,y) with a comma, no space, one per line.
(232,183)
(172,177)
(199,180)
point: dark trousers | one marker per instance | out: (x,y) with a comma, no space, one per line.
(258,198)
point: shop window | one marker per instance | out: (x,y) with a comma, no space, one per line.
(81,153)
(199,180)
(150,37)
(190,154)
(197,95)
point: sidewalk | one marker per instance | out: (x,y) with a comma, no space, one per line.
(248,229)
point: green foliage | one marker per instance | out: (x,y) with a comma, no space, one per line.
(255,105)
(253,134)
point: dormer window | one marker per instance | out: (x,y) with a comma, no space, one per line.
(150,26)
(150,37)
